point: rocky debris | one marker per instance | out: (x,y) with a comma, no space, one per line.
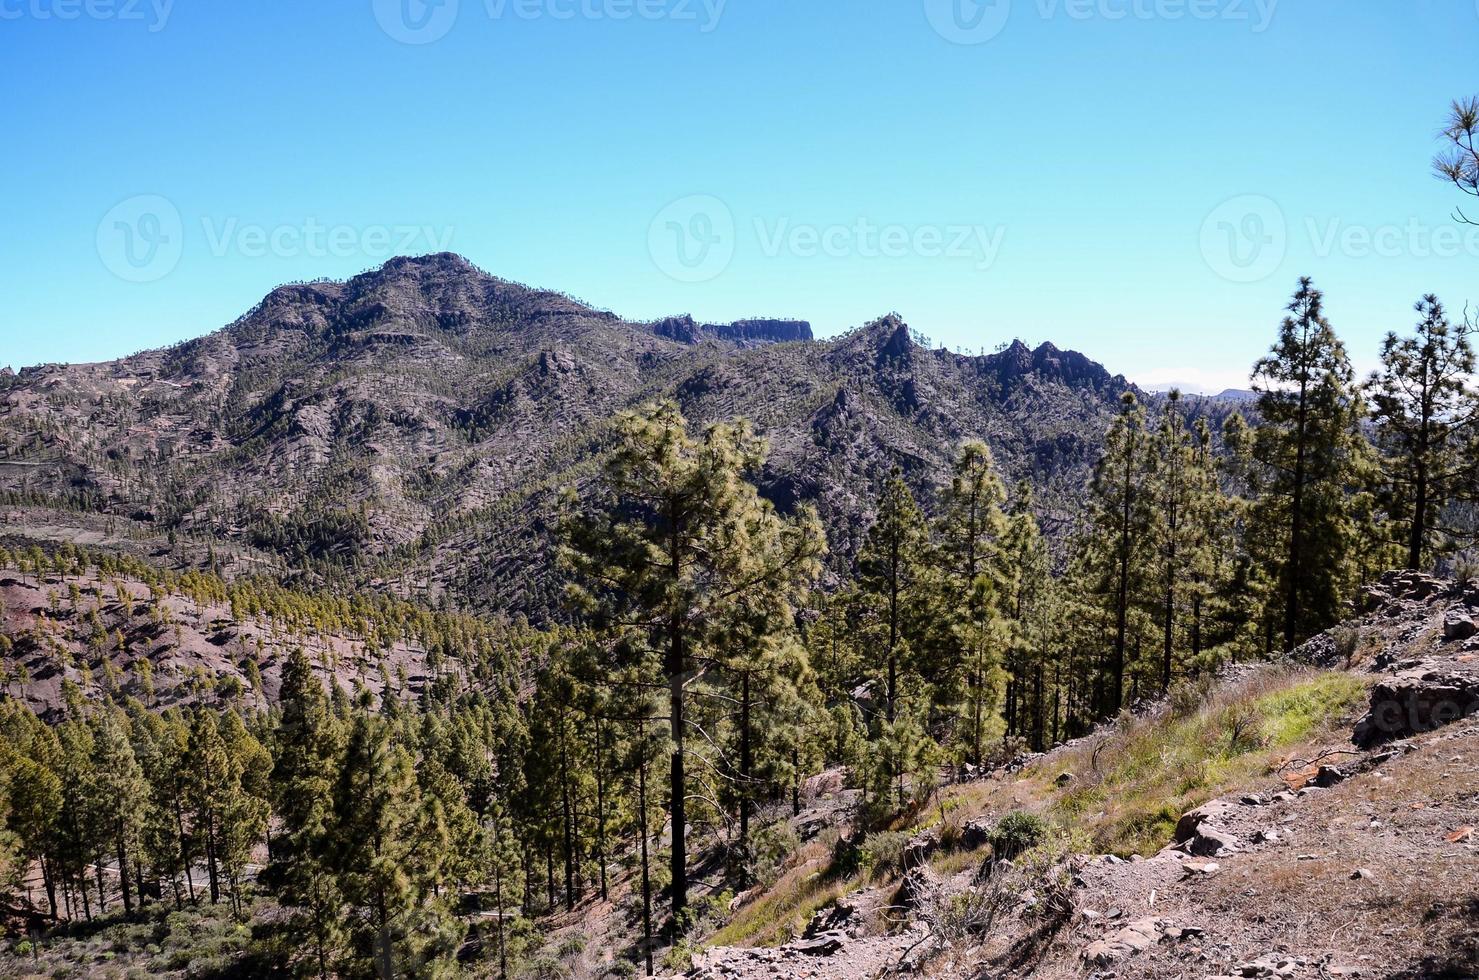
(1414,704)
(1204,832)
(1270,965)
(919,848)
(920,887)
(1138,935)
(836,917)
(976,834)
(832,956)
(1458,624)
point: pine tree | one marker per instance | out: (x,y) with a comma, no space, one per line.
(303,776)
(674,538)
(1311,460)
(122,792)
(1424,411)
(377,834)
(892,574)
(972,530)
(1182,485)
(1119,518)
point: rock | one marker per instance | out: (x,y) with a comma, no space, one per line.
(1412,705)
(919,848)
(1458,625)
(1327,776)
(1201,831)
(828,783)
(1102,952)
(832,918)
(1064,778)
(920,887)
(1192,869)
(975,834)
(824,945)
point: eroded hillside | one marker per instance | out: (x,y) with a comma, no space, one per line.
(410,429)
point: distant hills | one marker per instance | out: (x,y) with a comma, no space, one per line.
(410,429)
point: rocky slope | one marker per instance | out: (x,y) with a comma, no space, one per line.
(411,427)
(1348,851)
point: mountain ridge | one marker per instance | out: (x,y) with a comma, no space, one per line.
(410,427)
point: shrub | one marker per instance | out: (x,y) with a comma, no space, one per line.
(1016,833)
(1346,640)
(882,852)
(770,849)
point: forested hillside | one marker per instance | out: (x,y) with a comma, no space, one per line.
(269,776)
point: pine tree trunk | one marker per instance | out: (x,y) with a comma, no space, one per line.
(745,760)
(1296,524)
(646,874)
(566,819)
(50,882)
(128,905)
(601,811)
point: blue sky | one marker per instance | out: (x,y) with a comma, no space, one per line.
(1142,180)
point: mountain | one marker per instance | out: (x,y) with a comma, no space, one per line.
(411,428)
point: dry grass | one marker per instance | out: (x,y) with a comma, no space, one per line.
(1132,787)
(785,908)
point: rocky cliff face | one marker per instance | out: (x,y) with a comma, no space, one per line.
(412,426)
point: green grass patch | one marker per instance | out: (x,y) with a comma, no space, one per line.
(1155,770)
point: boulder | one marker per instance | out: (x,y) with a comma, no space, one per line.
(1412,705)
(823,945)
(1458,624)
(833,918)
(918,850)
(1204,832)
(920,887)
(1327,776)
(976,834)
